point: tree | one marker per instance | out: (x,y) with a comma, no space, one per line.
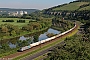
(35,38)
(5,47)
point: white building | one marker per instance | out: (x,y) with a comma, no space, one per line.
(16,12)
(25,12)
(21,13)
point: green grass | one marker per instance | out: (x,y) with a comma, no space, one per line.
(15,21)
(45,47)
(71,6)
(41,57)
(8,53)
(85,8)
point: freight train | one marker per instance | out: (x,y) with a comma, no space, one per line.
(46,40)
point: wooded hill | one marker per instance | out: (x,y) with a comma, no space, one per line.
(72,11)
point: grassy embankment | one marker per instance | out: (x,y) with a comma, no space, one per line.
(46,46)
(12,51)
(85,8)
(73,6)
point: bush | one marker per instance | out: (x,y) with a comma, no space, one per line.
(7,20)
(20,21)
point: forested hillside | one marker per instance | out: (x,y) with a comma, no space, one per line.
(72,11)
(77,46)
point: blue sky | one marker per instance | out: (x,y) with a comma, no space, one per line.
(31,4)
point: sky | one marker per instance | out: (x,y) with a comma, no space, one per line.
(31,4)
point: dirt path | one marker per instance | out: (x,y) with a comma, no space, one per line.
(34,48)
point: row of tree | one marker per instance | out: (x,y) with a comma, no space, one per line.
(8,30)
(20,21)
(73,15)
(7,20)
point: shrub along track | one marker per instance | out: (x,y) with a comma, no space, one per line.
(15,55)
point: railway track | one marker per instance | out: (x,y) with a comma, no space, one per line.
(10,57)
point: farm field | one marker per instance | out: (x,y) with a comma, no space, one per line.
(15,21)
(71,6)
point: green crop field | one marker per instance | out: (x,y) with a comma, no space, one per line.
(71,6)
(15,21)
